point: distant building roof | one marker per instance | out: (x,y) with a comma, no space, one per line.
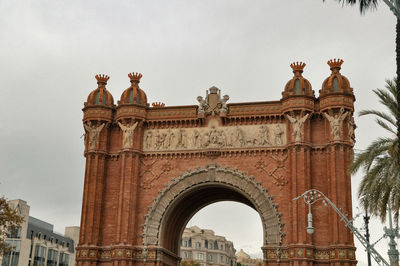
(38,227)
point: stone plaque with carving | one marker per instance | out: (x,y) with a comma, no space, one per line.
(268,135)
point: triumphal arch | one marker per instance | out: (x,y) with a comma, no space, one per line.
(149,169)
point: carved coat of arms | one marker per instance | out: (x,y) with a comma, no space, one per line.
(213,104)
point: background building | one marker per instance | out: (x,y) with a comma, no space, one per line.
(245,260)
(36,244)
(203,246)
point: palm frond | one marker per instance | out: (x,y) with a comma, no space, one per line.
(385,126)
(382,115)
(364,5)
(380,183)
(388,100)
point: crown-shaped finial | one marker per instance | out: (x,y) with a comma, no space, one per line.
(102,78)
(135,77)
(158,104)
(297,66)
(335,63)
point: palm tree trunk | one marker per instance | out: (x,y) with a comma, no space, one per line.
(398,79)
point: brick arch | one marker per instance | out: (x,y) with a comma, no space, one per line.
(193,190)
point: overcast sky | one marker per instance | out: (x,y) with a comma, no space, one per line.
(51,50)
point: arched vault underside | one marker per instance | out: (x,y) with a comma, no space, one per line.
(190,192)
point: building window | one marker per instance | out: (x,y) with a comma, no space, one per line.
(185,255)
(11,258)
(210,257)
(297,86)
(52,257)
(222,259)
(335,84)
(40,256)
(185,243)
(200,256)
(64,258)
(206,243)
(198,245)
(222,247)
(215,245)
(14,232)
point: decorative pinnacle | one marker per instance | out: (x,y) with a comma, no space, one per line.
(335,63)
(297,66)
(135,77)
(158,104)
(102,78)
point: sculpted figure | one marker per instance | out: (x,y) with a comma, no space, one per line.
(203,106)
(171,138)
(182,139)
(336,122)
(224,106)
(159,140)
(221,138)
(213,139)
(239,138)
(149,140)
(297,124)
(278,132)
(352,126)
(94,133)
(196,138)
(263,137)
(127,132)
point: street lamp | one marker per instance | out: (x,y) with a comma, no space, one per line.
(312,196)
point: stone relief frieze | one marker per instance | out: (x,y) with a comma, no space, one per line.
(248,136)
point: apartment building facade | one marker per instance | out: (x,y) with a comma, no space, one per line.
(206,248)
(36,244)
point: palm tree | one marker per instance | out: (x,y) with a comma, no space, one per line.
(380,185)
(394,6)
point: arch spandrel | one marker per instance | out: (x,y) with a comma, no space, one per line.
(213,175)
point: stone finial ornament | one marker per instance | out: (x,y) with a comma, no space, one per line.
(335,64)
(158,104)
(298,125)
(134,94)
(298,85)
(100,96)
(336,82)
(102,79)
(135,77)
(94,133)
(297,66)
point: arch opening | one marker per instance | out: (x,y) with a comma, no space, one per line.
(189,204)
(223,230)
(186,195)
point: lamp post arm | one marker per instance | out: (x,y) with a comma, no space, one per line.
(313,195)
